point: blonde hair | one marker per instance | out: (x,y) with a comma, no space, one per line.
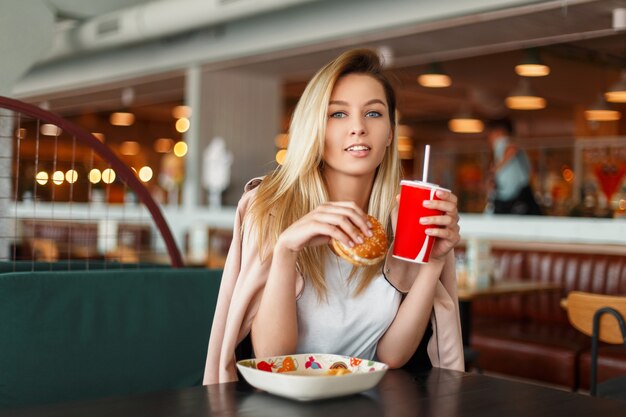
(297,187)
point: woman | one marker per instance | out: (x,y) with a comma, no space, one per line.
(282,284)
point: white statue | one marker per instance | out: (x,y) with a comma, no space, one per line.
(216,170)
(172,176)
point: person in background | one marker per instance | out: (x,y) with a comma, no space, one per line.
(285,288)
(510,190)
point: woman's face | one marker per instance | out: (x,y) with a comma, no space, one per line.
(358,130)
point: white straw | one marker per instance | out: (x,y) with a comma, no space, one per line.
(426,159)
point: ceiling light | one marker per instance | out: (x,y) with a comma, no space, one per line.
(181,111)
(280,156)
(163,145)
(523,98)
(531,65)
(58,177)
(617,92)
(466,125)
(71,176)
(434,77)
(281,140)
(182,125)
(180,149)
(129,148)
(465,122)
(50,130)
(601,112)
(122,119)
(42,177)
(108,176)
(405,147)
(405,143)
(516,102)
(95,176)
(145,173)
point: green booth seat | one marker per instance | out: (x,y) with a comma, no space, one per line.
(74,335)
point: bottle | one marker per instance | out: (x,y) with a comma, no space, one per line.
(478,263)
(461,271)
(620,206)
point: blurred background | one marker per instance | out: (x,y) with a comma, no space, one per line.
(158,80)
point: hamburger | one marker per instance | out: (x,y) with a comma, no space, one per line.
(370,252)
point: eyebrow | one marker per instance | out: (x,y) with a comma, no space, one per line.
(345,103)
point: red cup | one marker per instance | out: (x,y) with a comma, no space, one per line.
(411,243)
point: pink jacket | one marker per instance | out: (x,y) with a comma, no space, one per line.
(242,284)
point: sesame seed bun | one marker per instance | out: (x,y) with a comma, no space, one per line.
(370,252)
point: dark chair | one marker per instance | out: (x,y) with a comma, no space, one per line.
(601,317)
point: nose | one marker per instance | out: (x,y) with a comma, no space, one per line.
(358,128)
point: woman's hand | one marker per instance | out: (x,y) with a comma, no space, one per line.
(448,235)
(343,221)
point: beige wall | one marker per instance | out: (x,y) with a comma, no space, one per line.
(245,110)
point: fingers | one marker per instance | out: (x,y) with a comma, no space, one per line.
(357,216)
(348,216)
(439,232)
(339,227)
(452,226)
(450,236)
(448,223)
(445,220)
(450,233)
(343,221)
(447,203)
(310,231)
(333,232)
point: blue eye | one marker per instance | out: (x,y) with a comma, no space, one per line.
(373,114)
(338,115)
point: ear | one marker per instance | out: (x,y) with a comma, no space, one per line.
(390,138)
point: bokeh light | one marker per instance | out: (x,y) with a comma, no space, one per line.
(42,178)
(108,176)
(280,156)
(58,177)
(182,125)
(95,176)
(71,176)
(180,149)
(145,173)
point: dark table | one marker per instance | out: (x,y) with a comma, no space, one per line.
(434,393)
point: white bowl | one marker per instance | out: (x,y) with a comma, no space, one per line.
(305,377)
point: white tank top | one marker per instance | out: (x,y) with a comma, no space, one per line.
(345,324)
